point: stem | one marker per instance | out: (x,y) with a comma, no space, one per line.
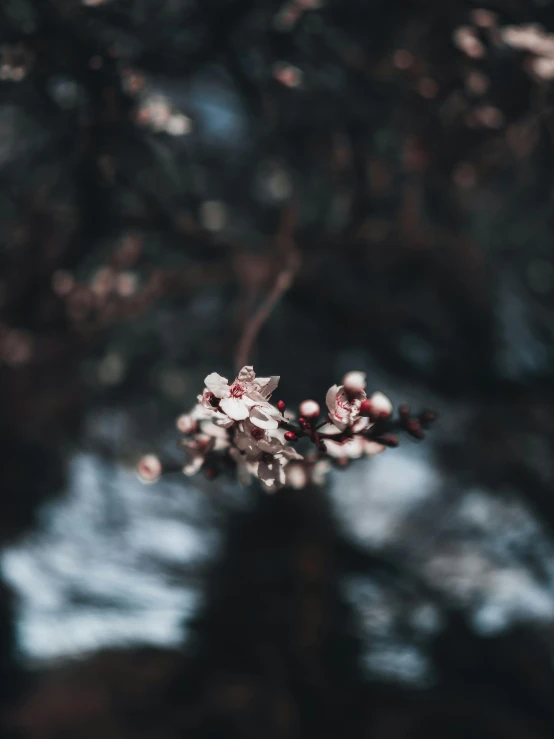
(283,282)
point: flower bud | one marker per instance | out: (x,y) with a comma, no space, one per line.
(281,405)
(186,424)
(149,468)
(309,409)
(381,405)
(296,476)
(354,382)
(290,436)
(366,408)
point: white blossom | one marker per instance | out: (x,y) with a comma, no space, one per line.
(344,406)
(246,397)
(264,454)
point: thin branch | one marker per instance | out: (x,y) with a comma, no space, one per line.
(283,282)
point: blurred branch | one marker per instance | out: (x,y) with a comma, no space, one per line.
(284,280)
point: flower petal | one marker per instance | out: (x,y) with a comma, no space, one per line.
(330,429)
(271,474)
(361,424)
(296,476)
(266,385)
(194,465)
(331,397)
(320,470)
(289,453)
(221,420)
(217,385)
(372,448)
(265,416)
(253,397)
(272,447)
(234,408)
(246,375)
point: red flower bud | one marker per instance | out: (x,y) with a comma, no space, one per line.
(290,436)
(366,408)
(282,406)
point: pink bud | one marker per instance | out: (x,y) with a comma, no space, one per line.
(381,405)
(354,382)
(309,409)
(186,424)
(366,408)
(149,468)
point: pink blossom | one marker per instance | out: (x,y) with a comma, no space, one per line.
(353,448)
(264,454)
(344,406)
(246,397)
(198,448)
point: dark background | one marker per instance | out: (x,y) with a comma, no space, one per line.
(161,161)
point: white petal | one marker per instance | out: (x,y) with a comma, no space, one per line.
(320,471)
(349,449)
(296,476)
(361,424)
(271,474)
(247,445)
(253,397)
(266,385)
(221,420)
(272,447)
(289,453)
(381,404)
(246,374)
(194,465)
(353,448)
(372,448)
(330,398)
(334,449)
(329,428)
(234,408)
(217,385)
(264,418)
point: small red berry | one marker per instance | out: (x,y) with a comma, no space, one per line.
(282,406)
(290,436)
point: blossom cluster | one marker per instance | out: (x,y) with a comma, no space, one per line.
(236,426)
